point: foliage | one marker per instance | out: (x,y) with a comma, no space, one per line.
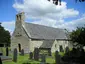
(76,56)
(4,35)
(78,36)
(80,0)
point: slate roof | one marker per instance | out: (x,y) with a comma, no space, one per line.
(44,32)
(47,44)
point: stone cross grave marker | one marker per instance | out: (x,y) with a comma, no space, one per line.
(15,55)
(36,54)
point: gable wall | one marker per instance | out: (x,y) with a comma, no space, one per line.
(57,43)
(20,37)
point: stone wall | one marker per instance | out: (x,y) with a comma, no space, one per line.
(57,43)
(35,44)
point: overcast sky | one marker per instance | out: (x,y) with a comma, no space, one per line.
(67,16)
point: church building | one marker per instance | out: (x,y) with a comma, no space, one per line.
(29,36)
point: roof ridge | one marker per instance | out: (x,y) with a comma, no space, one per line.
(44,26)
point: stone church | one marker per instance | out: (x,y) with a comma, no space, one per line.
(28,36)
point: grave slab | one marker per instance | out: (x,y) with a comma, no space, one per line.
(4,58)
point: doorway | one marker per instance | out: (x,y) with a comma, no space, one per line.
(19,45)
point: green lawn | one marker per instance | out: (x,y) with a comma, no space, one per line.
(25,59)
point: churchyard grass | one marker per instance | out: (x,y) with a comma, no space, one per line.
(25,59)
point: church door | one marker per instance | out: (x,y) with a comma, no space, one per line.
(19,45)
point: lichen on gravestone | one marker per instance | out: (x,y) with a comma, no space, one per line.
(36,54)
(15,55)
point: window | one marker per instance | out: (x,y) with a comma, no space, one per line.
(19,17)
(19,45)
(18,35)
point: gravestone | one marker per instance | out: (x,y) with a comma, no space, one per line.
(15,55)
(31,55)
(36,54)
(22,52)
(57,58)
(43,59)
(0,61)
(49,52)
(7,51)
(67,49)
(61,48)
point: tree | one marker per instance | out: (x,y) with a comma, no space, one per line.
(80,0)
(4,36)
(78,36)
(56,2)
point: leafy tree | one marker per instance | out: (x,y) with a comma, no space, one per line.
(78,36)
(4,35)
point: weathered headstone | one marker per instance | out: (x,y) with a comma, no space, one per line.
(57,58)
(15,55)
(36,54)
(0,61)
(31,55)
(67,49)
(61,48)
(7,51)
(49,52)
(22,52)
(43,59)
